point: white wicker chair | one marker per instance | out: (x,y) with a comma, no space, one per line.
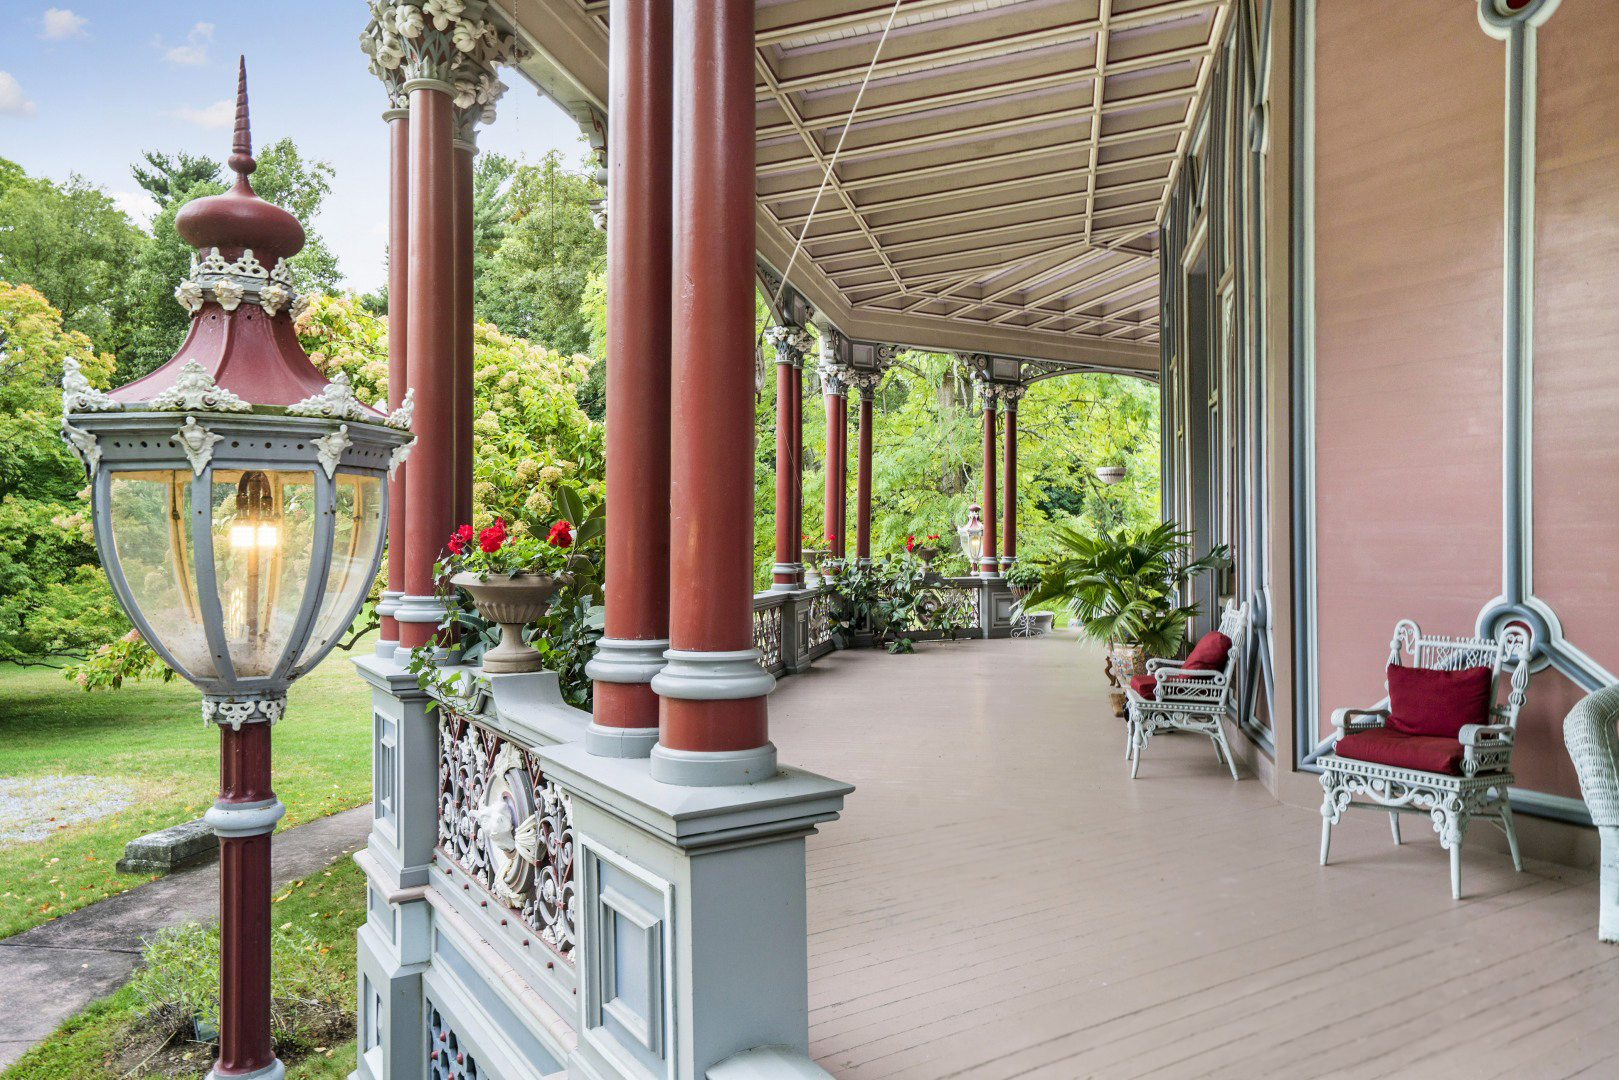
(1590,734)
(1449,800)
(1188,700)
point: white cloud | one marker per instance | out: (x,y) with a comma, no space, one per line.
(139,205)
(59,24)
(194,53)
(12,101)
(221,114)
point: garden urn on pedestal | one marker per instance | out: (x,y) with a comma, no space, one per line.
(238,499)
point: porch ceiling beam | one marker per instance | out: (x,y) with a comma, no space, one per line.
(932,134)
(985,46)
(970,237)
(1098,89)
(1185,140)
(831,179)
(986,92)
(1133,285)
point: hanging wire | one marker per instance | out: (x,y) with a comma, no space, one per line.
(832,162)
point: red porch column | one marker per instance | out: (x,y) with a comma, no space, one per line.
(640,174)
(398,120)
(836,467)
(462,269)
(713,727)
(430,344)
(988,565)
(1009,482)
(789,343)
(862,508)
(797,403)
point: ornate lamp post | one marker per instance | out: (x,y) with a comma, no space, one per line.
(238,499)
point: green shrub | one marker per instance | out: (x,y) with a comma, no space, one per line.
(179,977)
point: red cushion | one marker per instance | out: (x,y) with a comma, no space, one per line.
(1145,685)
(1437,703)
(1209,654)
(1384,747)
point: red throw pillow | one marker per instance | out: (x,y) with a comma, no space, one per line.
(1209,654)
(1437,703)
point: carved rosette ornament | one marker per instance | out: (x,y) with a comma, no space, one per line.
(195,391)
(79,396)
(507,827)
(1008,393)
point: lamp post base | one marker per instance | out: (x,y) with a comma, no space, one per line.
(273,1071)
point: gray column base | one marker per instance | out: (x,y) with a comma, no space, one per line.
(620,742)
(273,1071)
(714,768)
(386,649)
(627,660)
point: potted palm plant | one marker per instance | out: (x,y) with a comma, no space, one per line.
(1123,589)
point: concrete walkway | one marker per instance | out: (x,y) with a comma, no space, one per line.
(52,971)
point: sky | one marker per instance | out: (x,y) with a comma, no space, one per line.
(86,88)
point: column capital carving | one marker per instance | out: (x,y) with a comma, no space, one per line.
(1007,393)
(455,44)
(866,380)
(791,343)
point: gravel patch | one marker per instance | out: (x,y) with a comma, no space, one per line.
(34,807)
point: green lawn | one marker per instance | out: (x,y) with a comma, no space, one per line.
(330,904)
(151,736)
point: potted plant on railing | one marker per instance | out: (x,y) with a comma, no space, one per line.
(511,579)
(1123,590)
(1022,580)
(925,550)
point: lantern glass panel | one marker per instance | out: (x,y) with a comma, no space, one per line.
(150,516)
(264,538)
(356,532)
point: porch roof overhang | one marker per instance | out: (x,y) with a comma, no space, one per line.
(1001,186)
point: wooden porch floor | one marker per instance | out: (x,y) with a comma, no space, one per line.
(1000,900)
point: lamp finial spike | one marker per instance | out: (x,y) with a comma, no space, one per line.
(241,150)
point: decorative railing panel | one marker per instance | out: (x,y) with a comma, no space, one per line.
(767,634)
(820,622)
(951,606)
(507,827)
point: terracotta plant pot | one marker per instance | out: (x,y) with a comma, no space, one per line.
(512,602)
(1123,661)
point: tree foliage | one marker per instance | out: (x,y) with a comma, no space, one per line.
(535,281)
(54,601)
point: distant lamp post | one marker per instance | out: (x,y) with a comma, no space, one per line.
(972,535)
(238,499)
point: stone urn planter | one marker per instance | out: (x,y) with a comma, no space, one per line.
(512,602)
(1123,661)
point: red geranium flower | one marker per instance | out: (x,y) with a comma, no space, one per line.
(910,543)
(459,540)
(491,539)
(561,535)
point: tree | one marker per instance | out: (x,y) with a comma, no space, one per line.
(72,244)
(534,284)
(54,601)
(283,177)
(169,178)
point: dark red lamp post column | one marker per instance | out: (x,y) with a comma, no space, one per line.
(639,179)
(713,727)
(239,501)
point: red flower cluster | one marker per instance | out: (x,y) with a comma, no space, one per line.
(561,535)
(910,543)
(933,536)
(491,539)
(459,540)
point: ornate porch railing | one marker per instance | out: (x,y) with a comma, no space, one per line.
(507,828)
